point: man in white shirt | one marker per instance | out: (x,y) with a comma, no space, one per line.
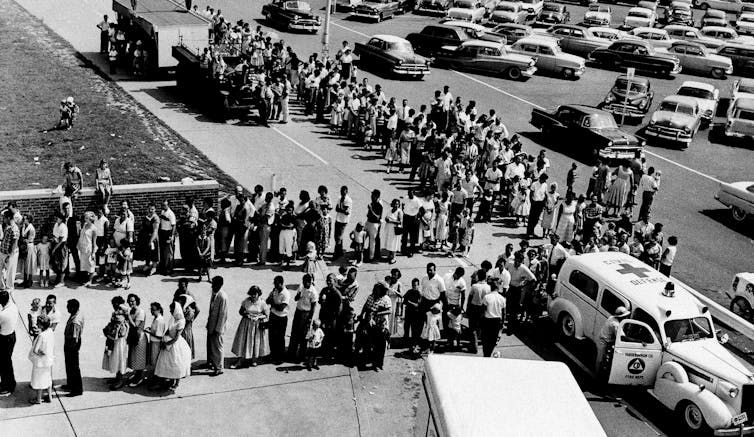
(475,308)
(538,201)
(411,207)
(447,98)
(648,186)
(278,300)
(166,236)
(492,321)
(342,216)
(470,183)
(432,289)
(8,319)
(558,255)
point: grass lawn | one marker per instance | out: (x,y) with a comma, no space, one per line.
(38,70)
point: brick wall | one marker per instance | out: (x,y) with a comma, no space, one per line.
(43,204)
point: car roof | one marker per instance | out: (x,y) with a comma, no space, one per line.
(714,12)
(635,79)
(746,276)
(638,42)
(642,284)
(683,100)
(389,38)
(728,29)
(513,26)
(544,41)
(679,26)
(746,81)
(700,85)
(688,43)
(441,26)
(746,14)
(648,29)
(745,103)
(481,43)
(640,9)
(465,24)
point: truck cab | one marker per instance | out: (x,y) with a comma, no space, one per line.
(668,344)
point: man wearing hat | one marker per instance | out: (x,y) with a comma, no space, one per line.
(608,334)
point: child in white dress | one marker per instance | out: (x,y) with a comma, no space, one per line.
(431,331)
(43,261)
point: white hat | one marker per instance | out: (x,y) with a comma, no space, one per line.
(69,99)
(621,311)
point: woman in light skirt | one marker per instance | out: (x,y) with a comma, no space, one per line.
(42,357)
(250,342)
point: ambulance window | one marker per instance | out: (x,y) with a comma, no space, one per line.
(635,333)
(610,301)
(643,316)
(584,283)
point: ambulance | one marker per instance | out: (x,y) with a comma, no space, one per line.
(668,343)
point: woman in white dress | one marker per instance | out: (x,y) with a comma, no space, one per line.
(427,221)
(251,340)
(551,204)
(174,361)
(441,228)
(115,358)
(393,220)
(137,340)
(42,357)
(566,218)
(87,247)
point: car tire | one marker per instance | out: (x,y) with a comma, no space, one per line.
(569,74)
(513,73)
(742,308)
(693,419)
(738,214)
(704,6)
(717,73)
(566,326)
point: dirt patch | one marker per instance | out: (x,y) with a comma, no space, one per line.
(39,70)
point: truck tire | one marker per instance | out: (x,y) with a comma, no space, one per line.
(741,307)
(513,73)
(693,419)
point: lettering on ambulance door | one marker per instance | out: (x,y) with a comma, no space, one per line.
(637,355)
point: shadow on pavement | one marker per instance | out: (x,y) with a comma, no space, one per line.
(724,217)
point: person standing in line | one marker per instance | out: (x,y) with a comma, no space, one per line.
(374,220)
(216,321)
(538,203)
(342,217)
(71,347)
(411,207)
(8,251)
(492,321)
(278,301)
(42,357)
(8,318)
(455,292)
(330,301)
(166,234)
(87,249)
(475,309)
(668,256)
(27,254)
(648,187)
(521,277)
(306,302)
(104,37)
(250,341)
(265,217)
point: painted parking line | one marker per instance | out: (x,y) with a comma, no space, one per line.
(696,172)
(301,146)
(332,23)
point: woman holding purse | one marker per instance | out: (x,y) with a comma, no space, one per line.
(251,341)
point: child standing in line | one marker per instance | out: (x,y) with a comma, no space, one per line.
(412,319)
(431,331)
(125,263)
(483,214)
(358,235)
(32,315)
(111,262)
(455,317)
(628,208)
(571,178)
(43,261)
(313,344)
(205,254)
(310,259)
(467,225)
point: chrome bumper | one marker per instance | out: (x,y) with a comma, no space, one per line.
(616,154)
(305,26)
(624,110)
(529,72)
(410,71)
(371,15)
(744,430)
(668,134)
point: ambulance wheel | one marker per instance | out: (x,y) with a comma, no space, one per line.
(566,326)
(693,419)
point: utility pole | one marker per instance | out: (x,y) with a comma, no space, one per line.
(326,30)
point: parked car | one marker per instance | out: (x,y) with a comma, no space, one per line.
(739,197)
(377,10)
(677,120)
(550,58)
(649,4)
(512,32)
(745,24)
(725,34)
(695,58)
(639,17)
(435,36)
(742,290)
(577,40)
(508,12)
(743,87)
(391,54)
(346,5)
(741,54)
(475,31)
(292,15)
(467,10)
(533,7)
(434,7)
(598,15)
(714,17)
(608,33)
(688,33)
(630,97)
(707,97)
(681,16)
(553,13)
(740,123)
(723,5)
(487,57)
(659,38)
(589,128)
(636,54)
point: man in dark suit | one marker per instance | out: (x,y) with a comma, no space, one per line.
(71,346)
(216,323)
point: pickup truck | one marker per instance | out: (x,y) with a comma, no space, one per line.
(588,127)
(576,40)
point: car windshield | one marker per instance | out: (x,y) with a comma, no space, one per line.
(636,87)
(604,34)
(301,6)
(680,108)
(681,12)
(696,92)
(599,121)
(692,329)
(747,19)
(745,88)
(506,8)
(743,114)
(466,4)
(640,14)
(530,2)
(400,46)
(551,7)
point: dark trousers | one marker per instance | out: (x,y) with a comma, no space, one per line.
(72,369)
(297,344)
(104,42)
(165,239)
(378,339)
(665,269)
(513,306)
(474,313)
(534,213)
(490,331)
(74,253)
(412,327)
(277,327)
(646,204)
(410,234)
(340,229)
(7,377)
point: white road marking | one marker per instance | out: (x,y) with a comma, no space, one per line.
(684,167)
(303,147)
(481,82)
(332,23)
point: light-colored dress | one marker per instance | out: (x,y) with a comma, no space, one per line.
(551,210)
(618,192)
(427,233)
(42,357)
(441,227)
(156,331)
(431,329)
(85,247)
(393,241)
(174,361)
(137,354)
(117,360)
(251,340)
(566,221)
(395,293)
(28,233)
(43,256)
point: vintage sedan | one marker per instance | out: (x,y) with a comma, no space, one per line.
(598,15)
(292,15)
(391,54)
(636,54)
(688,33)
(487,57)
(743,87)
(553,13)
(475,31)
(723,5)
(377,10)
(739,197)
(659,38)
(512,32)
(706,95)
(695,58)
(639,17)
(714,17)
(577,40)
(467,10)
(740,123)
(436,36)
(741,54)
(550,58)
(682,16)
(745,24)
(434,7)
(677,120)
(742,288)
(725,34)
(630,97)
(608,33)
(533,7)
(508,12)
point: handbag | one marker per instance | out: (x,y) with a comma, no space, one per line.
(398,229)
(133,337)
